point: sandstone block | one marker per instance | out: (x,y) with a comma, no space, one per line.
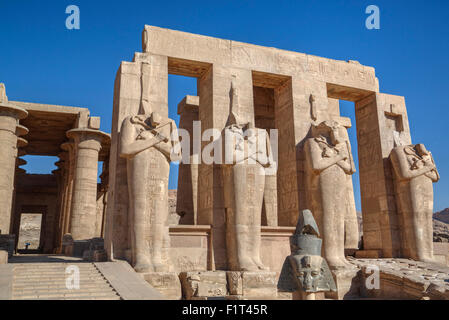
(348,283)
(167,283)
(254,284)
(3,257)
(94,123)
(197,284)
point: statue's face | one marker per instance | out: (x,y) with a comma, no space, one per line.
(331,130)
(335,136)
(309,273)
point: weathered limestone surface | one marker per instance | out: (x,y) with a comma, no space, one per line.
(207,50)
(84,200)
(253,285)
(404,279)
(147,142)
(380,118)
(9,120)
(187,197)
(3,256)
(248,153)
(190,247)
(329,163)
(203,284)
(143,82)
(167,283)
(347,283)
(414,174)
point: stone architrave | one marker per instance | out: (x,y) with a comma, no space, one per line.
(327,166)
(149,142)
(9,120)
(414,172)
(247,154)
(311,271)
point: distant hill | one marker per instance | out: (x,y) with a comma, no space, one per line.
(440,225)
(442,215)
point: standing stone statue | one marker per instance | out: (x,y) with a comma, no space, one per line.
(414,172)
(309,268)
(247,154)
(149,142)
(327,166)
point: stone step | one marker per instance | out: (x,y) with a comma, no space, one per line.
(22,270)
(47,281)
(104,286)
(59,285)
(68,293)
(56,276)
(54,280)
(55,283)
(73,298)
(63,291)
(93,296)
(48,266)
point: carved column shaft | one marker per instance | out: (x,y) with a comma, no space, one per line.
(9,116)
(84,195)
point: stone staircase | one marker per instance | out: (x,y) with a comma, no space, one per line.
(47,281)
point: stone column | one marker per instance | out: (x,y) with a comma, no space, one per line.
(9,117)
(187,195)
(84,198)
(382,123)
(69,147)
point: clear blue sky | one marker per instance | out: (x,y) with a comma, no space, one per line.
(42,61)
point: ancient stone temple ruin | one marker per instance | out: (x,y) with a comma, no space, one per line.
(265,175)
